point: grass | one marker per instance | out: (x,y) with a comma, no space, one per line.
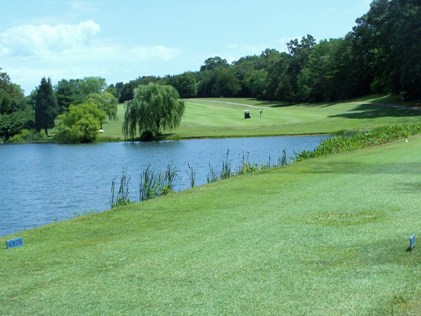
(325,236)
(223,117)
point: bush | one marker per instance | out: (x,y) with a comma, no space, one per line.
(80,124)
(29,136)
(358,140)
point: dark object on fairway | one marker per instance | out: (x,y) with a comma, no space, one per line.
(261,112)
(13,243)
(247,115)
(412,241)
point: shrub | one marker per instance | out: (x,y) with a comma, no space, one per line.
(29,136)
(358,140)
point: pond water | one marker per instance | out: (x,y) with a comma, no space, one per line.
(42,183)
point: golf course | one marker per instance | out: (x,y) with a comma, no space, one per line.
(224,117)
(323,236)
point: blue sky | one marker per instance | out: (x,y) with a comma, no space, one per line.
(121,40)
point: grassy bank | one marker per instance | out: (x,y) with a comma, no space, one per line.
(325,236)
(224,118)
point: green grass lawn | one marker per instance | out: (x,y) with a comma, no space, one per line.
(325,236)
(223,117)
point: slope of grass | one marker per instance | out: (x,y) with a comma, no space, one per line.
(325,236)
(221,117)
(224,117)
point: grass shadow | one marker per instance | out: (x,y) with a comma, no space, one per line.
(349,167)
(369,111)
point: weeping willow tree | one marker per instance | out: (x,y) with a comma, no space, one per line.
(154,108)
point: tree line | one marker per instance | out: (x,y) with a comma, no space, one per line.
(77,108)
(381,54)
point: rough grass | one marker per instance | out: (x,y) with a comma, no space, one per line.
(224,117)
(325,236)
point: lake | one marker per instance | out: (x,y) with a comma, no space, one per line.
(43,183)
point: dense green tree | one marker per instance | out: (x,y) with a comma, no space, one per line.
(387,44)
(316,81)
(15,112)
(185,84)
(127,90)
(13,123)
(252,73)
(80,124)
(226,83)
(46,108)
(118,89)
(154,108)
(213,63)
(106,102)
(89,85)
(68,92)
(277,82)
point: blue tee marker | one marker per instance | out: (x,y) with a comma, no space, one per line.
(13,243)
(412,241)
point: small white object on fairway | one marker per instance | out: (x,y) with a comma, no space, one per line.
(406,140)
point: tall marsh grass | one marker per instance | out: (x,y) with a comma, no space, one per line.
(153,184)
(122,197)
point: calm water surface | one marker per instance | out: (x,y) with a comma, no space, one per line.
(42,183)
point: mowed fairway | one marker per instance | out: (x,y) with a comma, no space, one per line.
(326,236)
(225,118)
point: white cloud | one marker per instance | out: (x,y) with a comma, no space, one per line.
(44,39)
(65,51)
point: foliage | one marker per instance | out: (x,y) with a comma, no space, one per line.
(76,91)
(358,140)
(15,112)
(379,55)
(125,91)
(46,108)
(68,92)
(29,136)
(80,124)
(154,108)
(90,85)
(106,102)
(185,84)
(14,123)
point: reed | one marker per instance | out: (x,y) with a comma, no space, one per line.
(226,167)
(212,176)
(153,183)
(122,197)
(192,175)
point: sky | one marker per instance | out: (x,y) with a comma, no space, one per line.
(121,40)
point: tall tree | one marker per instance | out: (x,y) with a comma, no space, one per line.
(46,108)
(67,93)
(388,38)
(154,108)
(90,85)
(15,112)
(105,102)
(185,84)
